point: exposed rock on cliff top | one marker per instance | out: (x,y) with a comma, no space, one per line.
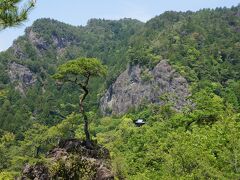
(36,40)
(57,41)
(22,76)
(136,85)
(71,159)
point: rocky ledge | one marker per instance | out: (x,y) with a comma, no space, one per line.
(137,85)
(72,160)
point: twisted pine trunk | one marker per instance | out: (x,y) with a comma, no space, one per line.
(82,111)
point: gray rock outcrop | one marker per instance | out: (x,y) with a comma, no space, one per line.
(137,85)
(21,76)
(36,40)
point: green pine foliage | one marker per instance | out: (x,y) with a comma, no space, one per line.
(11,14)
(200,142)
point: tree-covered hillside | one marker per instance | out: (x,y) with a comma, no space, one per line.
(199,142)
(47,44)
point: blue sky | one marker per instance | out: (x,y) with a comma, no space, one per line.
(78,12)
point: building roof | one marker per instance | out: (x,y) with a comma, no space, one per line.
(140,121)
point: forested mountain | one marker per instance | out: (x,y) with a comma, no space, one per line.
(197,53)
(46,44)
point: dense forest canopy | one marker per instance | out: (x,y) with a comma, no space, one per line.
(199,142)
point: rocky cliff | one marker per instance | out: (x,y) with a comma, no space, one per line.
(21,76)
(137,85)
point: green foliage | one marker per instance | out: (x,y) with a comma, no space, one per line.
(86,67)
(11,14)
(36,141)
(7,139)
(201,142)
(74,167)
(77,69)
(56,43)
(6,175)
(172,149)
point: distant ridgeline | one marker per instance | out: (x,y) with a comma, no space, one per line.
(173,59)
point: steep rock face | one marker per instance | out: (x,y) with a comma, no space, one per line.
(136,85)
(22,76)
(36,40)
(17,51)
(57,41)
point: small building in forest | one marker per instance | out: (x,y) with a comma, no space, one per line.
(139,122)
